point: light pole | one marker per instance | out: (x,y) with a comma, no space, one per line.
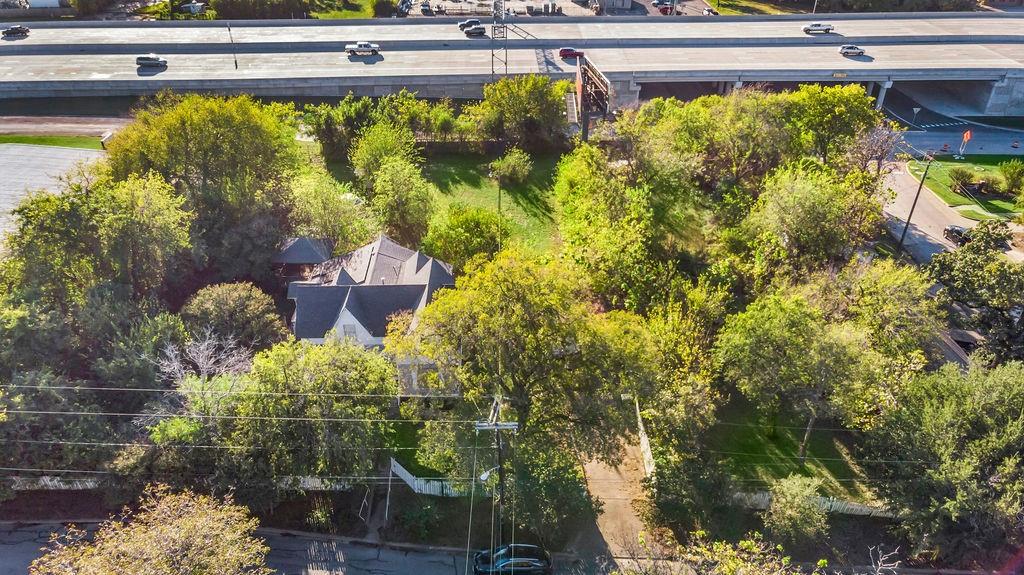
(906,226)
(814,9)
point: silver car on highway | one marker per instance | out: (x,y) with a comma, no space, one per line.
(851,50)
(818,28)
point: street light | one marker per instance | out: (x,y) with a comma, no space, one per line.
(487,474)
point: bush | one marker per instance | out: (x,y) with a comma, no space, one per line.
(237,310)
(960,177)
(794,515)
(512,168)
(379,142)
(1013,176)
(465,233)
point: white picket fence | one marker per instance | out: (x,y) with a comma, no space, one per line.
(762,499)
(438,487)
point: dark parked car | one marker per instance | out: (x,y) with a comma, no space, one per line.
(569,53)
(469,24)
(15,31)
(513,559)
(959,235)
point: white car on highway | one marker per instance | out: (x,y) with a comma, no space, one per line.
(851,50)
(362,48)
(818,28)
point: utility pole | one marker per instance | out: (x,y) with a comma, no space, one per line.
(924,176)
(494,424)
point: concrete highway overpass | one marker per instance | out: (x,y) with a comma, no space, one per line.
(976,58)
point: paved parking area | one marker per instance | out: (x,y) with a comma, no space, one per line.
(24,168)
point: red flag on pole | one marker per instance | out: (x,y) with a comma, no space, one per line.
(967,136)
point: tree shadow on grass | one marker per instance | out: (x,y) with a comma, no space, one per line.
(470,171)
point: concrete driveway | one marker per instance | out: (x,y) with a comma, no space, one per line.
(25,168)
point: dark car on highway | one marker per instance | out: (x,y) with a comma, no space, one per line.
(475,31)
(15,31)
(959,235)
(513,559)
(569,53)
(469,24)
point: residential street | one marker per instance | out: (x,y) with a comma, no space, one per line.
(290,555)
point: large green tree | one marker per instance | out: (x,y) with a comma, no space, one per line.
(230,158)
(829,118)
(323,208)
(169,534)
(526,111)
(465,233)
(978,275)
(239,311)
(958,439)
(402,200)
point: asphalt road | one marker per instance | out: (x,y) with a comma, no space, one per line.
(596,29)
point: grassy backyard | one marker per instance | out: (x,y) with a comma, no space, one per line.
(985,167)
(87,142)
(756,456)
(340,9)
(742,7)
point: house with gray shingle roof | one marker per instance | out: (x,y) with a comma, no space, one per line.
(355,295)
(298,256)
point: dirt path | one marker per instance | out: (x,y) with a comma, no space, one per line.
(59,125)
(617,487)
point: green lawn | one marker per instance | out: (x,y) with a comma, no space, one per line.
(340,9)
(743,7)
(984,166)
(88,142)
(756,456)
(405,436)
(463,178)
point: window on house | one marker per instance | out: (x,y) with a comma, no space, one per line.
(349,331)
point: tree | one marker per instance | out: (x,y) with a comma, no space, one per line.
(512,168)
(376,144)
(525,111)
(780,349)
(311,410)
(336,127)
(794,514)
(957,490)
(875,145)
(143,228)
(978,275)
(464,234)
(403,200)
(608,230)
(1013,177)
(326,209)
(750,556)
(813,216)
(240,311)
(829,118)
(230,159)
(959,178)
(170,534)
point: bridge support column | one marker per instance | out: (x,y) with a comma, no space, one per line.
(880,99)
(624,94)
(1007,96)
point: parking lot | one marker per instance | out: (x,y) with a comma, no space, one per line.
(25,168)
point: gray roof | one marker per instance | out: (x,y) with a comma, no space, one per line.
(372,283)
(303,251)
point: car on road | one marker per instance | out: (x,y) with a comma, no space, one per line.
(710,12)
(851,50)
(150,61)
(468,24)
(666,9)
(475,31)
(513,559)
(16,31)
(818,28)
(570,53)
(362,47)
(959,235)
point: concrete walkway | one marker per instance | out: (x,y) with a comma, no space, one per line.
(615,530)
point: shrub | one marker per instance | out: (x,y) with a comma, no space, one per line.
(1013,176)
(512,168)
(794,515)
(960,177)
(465,233)
(237,310)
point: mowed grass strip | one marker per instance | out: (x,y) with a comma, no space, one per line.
(85,142)
(984,166)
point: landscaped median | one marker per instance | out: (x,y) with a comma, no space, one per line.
(987,206)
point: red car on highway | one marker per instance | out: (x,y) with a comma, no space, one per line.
(569,53)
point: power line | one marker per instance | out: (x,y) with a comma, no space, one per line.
(191,474)
(855,460)
(799,427)
(238,417)
(190,446)
(233,392)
